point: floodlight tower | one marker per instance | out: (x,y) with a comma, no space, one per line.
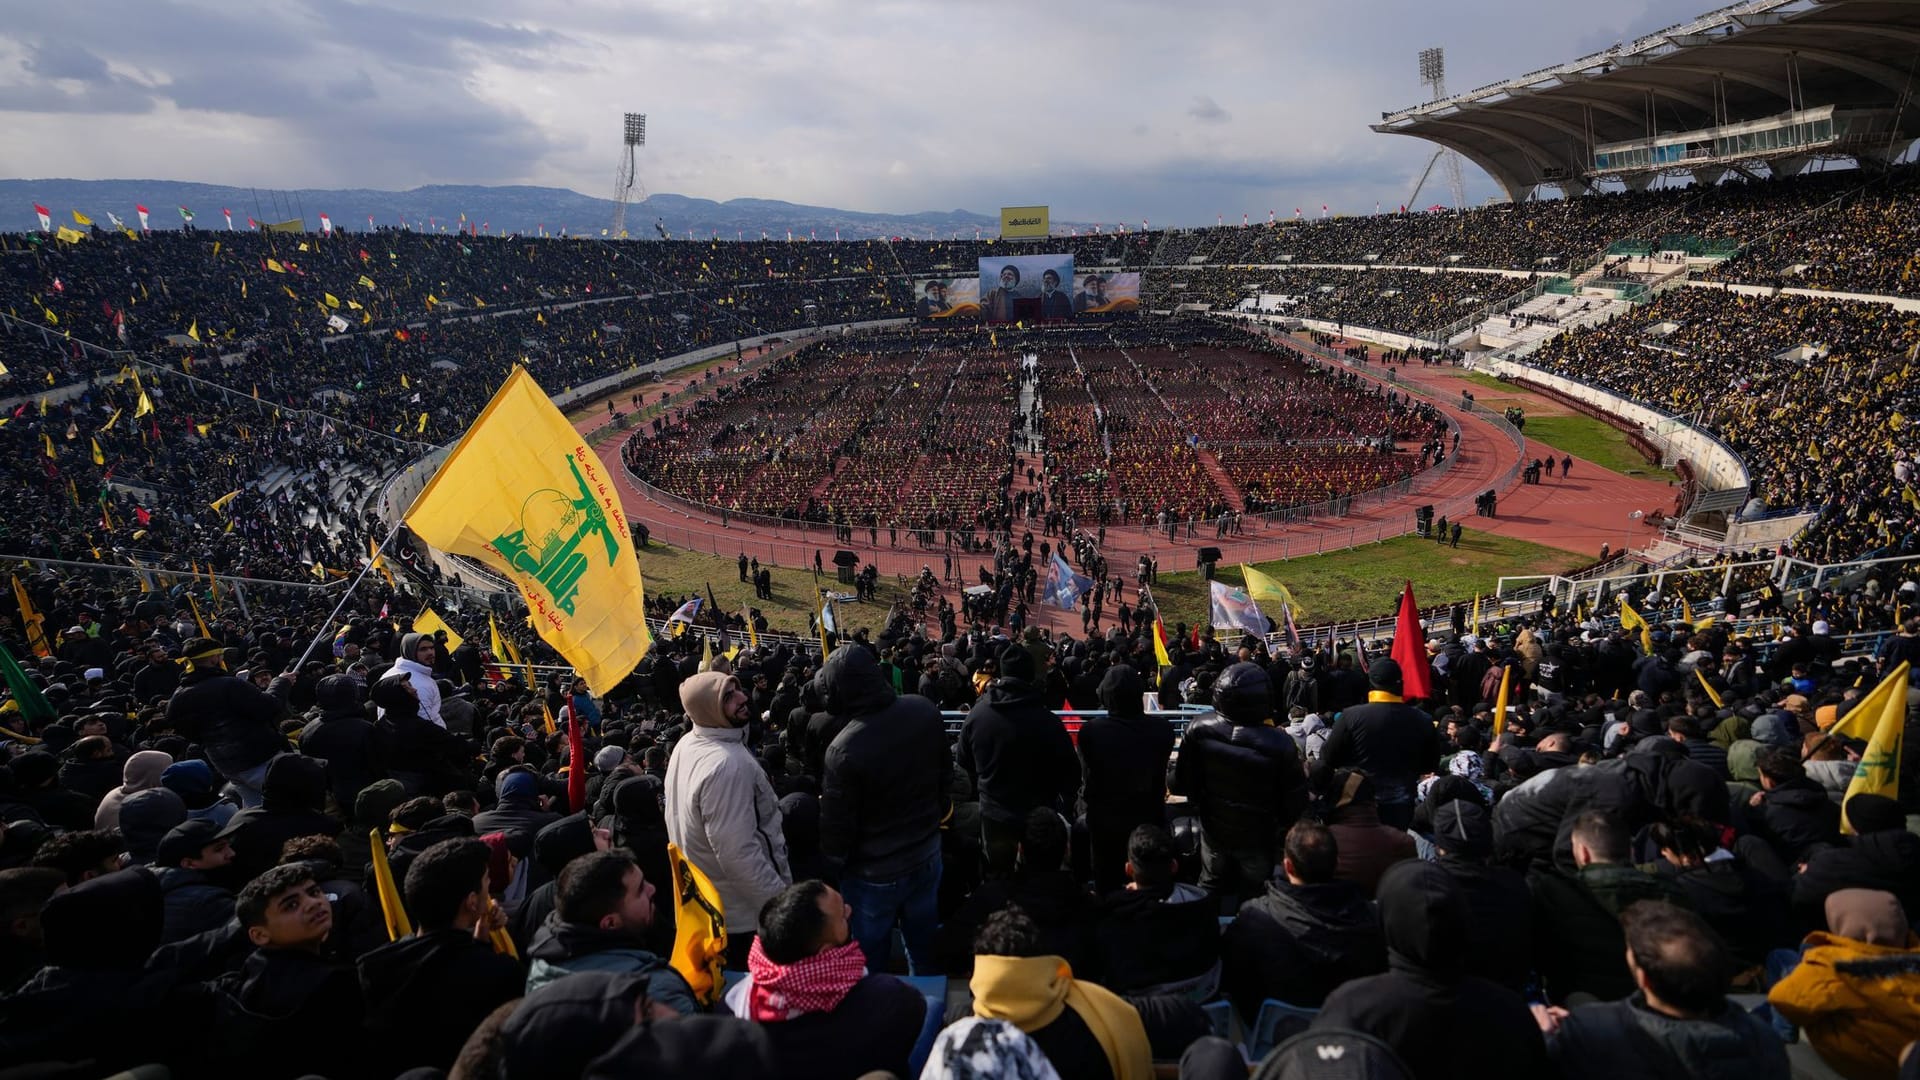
(1433,72)
(634,136)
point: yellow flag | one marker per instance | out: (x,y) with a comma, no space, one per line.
(706,654)
(354,305)
(1630,619)
(274,265)
(331,300)
(1500,701)
(404,384)
(203,428)
(31,620)
(546,717)
(111,420)
(1712,694)
(193,331)
(504,650)
(428,622)
(422,429)
(1476,614)
(366,282)
(99,458)
(144,407)
(220,504)
(81,219)
(48,439)
(1160,645)
(380,564)
(198,620)
(523,493)
(699,929)
(1262,586)
(1879,770)
(398,925)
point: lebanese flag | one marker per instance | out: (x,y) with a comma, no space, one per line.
(46,217)
(1410,650)
(229,214)
(252,224)
(326,225)
(142,211)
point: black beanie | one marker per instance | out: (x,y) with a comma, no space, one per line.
(1384,674)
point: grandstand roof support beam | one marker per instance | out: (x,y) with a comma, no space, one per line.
(1539,155)
(1777,87)
(1600,104)
(1694,101)
(1554,122)
(1873,71)
(1514,185)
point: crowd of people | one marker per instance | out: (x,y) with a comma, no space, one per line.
(198,819)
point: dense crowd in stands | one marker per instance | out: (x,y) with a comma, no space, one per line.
(194,825)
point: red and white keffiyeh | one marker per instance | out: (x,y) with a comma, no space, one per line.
(816,984)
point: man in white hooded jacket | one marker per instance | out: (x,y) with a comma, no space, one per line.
(417,654)
(721,809)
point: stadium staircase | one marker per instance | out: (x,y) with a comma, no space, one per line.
(1229,490)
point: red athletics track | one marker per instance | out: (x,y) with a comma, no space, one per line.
(1576,515)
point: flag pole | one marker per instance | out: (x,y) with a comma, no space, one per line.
(327,626)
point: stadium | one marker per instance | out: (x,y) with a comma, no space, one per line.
(1339,635)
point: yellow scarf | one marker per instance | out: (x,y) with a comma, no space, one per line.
(1376,696)
(1030,992)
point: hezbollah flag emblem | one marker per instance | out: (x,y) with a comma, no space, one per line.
(523,493)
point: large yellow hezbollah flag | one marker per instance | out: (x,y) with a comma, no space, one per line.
(523,493)
(1885,709)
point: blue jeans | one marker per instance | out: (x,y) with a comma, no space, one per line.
(1779,964)
(912,900)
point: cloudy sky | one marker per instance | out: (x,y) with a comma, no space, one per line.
(1129,109)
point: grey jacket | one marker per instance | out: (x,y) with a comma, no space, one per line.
(723,815)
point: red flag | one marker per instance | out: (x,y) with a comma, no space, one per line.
(1410,650)
(576,761)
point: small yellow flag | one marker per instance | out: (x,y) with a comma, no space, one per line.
(1500,701)
(48,439)
(193,331)
(112,420)
(422,429)
(331,300)
(99,458)
(221,503)
(1879,770)
(523,493)
(71,236)
(144,407)
(81,219)
(429,621)
(274,265)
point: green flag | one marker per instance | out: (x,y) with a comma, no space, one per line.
(34,708)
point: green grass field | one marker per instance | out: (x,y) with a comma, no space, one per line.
(676,572)
(1488,381)
(1364,583)
(1595,441)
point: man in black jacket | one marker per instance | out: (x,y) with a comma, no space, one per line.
(1018,756)
(427,992)
(1124,755)
(1245,779)
(1791,812)
(234,720)
(295,795)
(882,798)
(158,678)
(355,751)
(1309,934)
(1881,855)
(1393,742)
(1578,944)
(1444,1021)
(1499,908)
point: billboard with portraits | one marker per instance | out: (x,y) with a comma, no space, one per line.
(1026,288)
(1098,294)
(946,299)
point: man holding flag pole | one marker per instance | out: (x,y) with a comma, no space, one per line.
(1395,742)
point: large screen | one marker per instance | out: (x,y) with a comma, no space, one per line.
(1044,288)
(947,299)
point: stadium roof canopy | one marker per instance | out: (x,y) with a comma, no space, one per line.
(1771,61)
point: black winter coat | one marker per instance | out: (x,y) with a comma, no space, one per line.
(1396,743)
(354,749)
(1245,779)
(883,788)
(1297,943)
(1889,861)
(1795,817)
(1018,753)
(235,721)
(463,979)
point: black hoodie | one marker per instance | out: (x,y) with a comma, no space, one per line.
(426,993)
(290,997)
(1017,752)
(354,749)
(883,789)
(1297,943)
(1442,1022)
(294,799)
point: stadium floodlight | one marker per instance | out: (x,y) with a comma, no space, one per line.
(633,134)
(1433,65)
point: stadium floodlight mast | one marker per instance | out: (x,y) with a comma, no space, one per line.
(633,136)
(1433,74)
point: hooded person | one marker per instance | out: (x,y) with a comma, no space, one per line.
(1882,854)
(1244,777)
(294,804)
(1444,1021)
(355,750)
(418,653)
(235,721)
(1393,742)
(1856,992)
(94,1001)
(145,819)
(1018,755)
(193,780)
(36,786)
(142,771)
(422,755)
(1124,755)
(518,812)
(372,809)
(721,809)
(1499,908)
(883,799)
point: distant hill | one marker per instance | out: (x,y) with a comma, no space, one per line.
(502,209)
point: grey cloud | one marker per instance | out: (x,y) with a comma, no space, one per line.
(1206,110)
